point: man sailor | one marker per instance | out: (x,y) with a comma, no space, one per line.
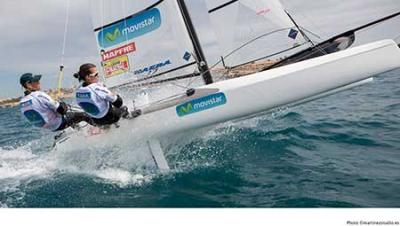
(42,111)
(96,100)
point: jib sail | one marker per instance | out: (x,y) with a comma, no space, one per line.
(263,22)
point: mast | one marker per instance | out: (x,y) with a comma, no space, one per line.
(203,67)
(301,30)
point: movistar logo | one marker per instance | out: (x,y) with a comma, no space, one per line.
(129,28)
(186,109)
(201,104)
(113,36)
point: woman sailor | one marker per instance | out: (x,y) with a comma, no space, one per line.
(96,100)
(42,111)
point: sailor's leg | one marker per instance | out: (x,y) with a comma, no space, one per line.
(158,155)
(73,118)
(123,112)
(119,112)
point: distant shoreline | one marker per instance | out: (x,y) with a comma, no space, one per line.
(227,72)
(14,101)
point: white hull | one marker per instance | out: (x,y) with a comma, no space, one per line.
(253,94)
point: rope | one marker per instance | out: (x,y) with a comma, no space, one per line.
(239,48)
(61,75)
(124,13)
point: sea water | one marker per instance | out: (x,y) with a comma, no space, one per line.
(339,151)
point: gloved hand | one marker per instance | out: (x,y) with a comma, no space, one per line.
(118,102)
(124,112)
(63,108)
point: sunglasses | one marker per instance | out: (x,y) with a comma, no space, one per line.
(94,74)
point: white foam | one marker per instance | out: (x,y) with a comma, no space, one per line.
(21,164)
(116,164)
(3,205)
(122,178)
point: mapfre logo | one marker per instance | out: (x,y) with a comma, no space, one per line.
(123,50)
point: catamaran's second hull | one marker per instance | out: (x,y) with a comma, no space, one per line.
(249,95)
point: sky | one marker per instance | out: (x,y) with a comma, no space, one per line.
(33,30)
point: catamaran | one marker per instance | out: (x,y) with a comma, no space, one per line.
(155,42)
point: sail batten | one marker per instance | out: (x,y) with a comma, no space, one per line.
(222,6)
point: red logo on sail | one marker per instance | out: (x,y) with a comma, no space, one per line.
(116,66)
(123,50)
(263,11)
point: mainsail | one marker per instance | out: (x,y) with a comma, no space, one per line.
(265,22)
(142,41)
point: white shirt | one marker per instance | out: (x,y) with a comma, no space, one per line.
(95,99)
(41,110)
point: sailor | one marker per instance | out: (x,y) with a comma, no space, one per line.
(42,111)
(100,103)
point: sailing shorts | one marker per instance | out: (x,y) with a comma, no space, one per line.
(113,115)
(73,118)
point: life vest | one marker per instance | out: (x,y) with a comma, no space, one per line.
(41,110)
(95,99)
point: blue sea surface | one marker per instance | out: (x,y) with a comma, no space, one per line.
(339,151)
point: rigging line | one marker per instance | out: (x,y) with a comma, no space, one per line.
(306,17)
(330,40)
(310,32)
(237,49)
(61,74)
(165,72)
(298,27)
(249,42)
(376,21)
(182,86)
(125,23)
(222,6)
(271,55)
(65,33)
(160,81)
(240,47)
(311,52)
(103,76)
(304,34)
(268,56)
(202,66)
(373,25)
(172,79)
(190,81)
(153,76)
(128,17)
(252,40)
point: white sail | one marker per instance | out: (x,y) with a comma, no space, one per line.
(237,23)
(136,44)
